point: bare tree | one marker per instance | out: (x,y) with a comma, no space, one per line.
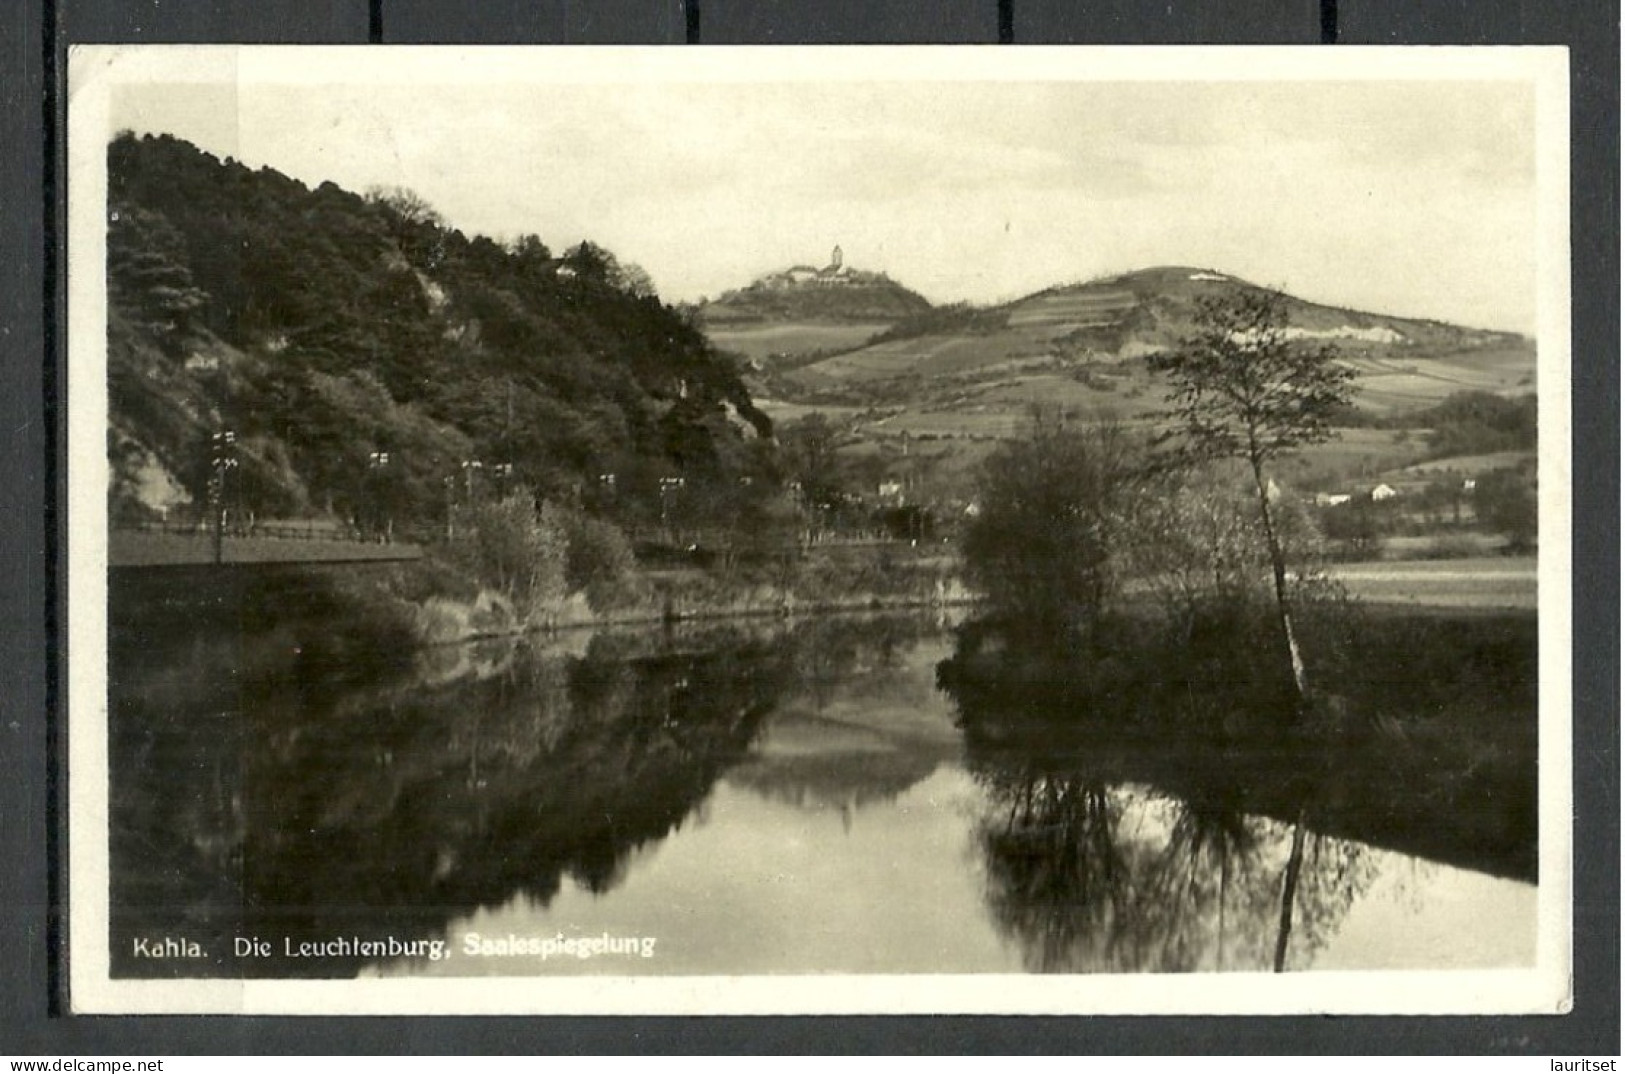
(406,204)
(1242,388)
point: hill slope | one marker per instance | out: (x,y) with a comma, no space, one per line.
(924,400)
(1086,342)
(323,328)
(804,310)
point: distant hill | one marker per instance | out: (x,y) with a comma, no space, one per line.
(358,346)
(845,298)
(1152,309)
(924,399)
(835,293)
(1085,343)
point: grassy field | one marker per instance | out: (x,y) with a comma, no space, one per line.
(1469,465)
(1492,582)
(1356,460)
(765,341)
(928,357)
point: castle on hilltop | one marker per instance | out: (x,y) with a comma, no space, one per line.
(834,274)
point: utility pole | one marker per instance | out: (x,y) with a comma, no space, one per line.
(503,471)
(668,486)
(222,461)
(378,481)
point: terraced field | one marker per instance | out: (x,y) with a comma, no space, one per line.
(926,357)
(1067,309)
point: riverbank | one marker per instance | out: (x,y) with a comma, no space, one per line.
(431,602)
(437,604)
(899,577)
(818,580)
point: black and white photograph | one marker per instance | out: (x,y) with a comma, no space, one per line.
(819,530)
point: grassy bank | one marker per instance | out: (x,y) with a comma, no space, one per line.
(1422,732)
(1506,582)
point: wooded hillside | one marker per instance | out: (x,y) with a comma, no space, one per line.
(362,350)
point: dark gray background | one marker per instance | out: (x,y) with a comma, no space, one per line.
(33,35)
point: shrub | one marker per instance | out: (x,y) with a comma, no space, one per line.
(518,550)
(599,562)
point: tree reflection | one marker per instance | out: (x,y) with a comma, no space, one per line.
(1289,894)
(843,781)
(1428,745)
(1204,881)
(1233,844)
(1334,874)
(1058,875)
(322,809)
(1089,876)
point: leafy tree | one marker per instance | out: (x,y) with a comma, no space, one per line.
(591,262)
(406,206)
(1056,509)
(1358,524)
(1507,502)
(147,274)
(808,450)
(1241,388)
(635,280)
(1198,546)
(1477,423)
(530,249)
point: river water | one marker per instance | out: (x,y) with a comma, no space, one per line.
(781,798)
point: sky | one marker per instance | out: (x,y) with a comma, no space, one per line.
(966,182)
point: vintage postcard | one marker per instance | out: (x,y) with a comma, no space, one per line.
(802,530)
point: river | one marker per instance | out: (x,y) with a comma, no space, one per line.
(773,798)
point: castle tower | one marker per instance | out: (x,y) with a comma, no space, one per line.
(835,260)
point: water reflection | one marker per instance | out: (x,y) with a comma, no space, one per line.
(1122,837)
(773,798)
(1093,878)
(863,722)
(302,812)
